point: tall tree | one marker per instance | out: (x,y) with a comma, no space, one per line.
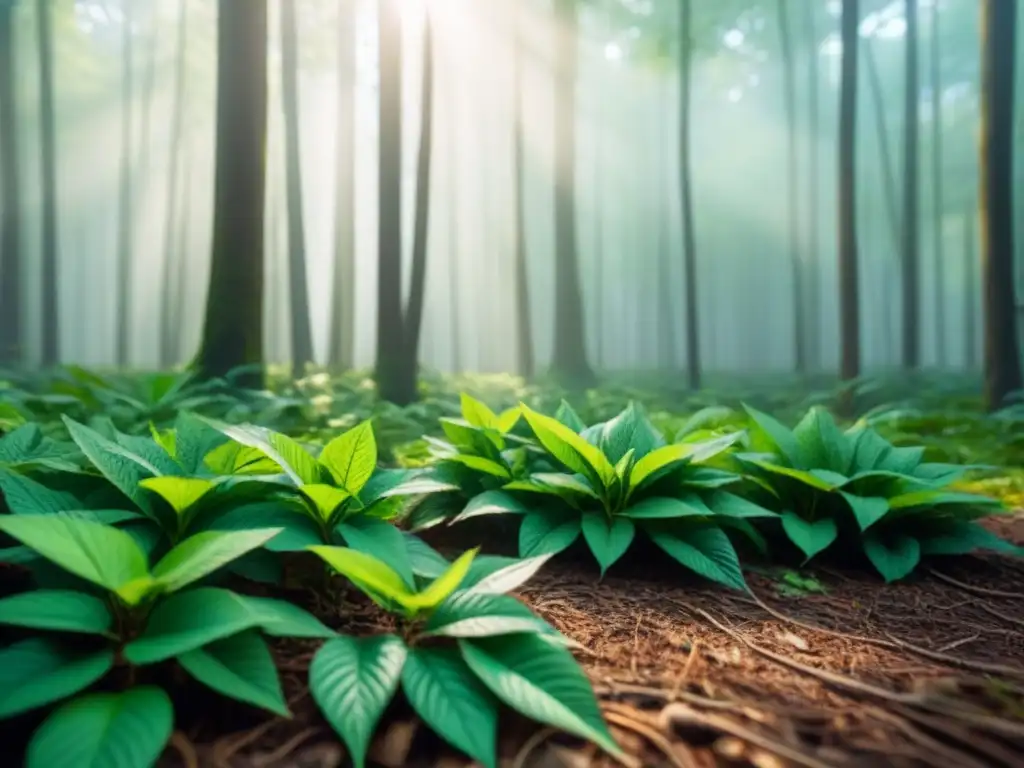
(849,299)
(911,249)
(48,145)
(233,327)
(970,292)
(686,41)
(122,316)
(10,221)
(524,325)
(814,175)
(454,294)
(935,55)
(298,287)
(792,200)
(169,317)
(1002,353)
(570,349)
(341,352)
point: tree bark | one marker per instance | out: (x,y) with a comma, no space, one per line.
(1002,353)
(937,189)
(524,325)
(849,300)
(48,142)
(233,328)
(298,287)
(970,293)
(10,221)
(169,317)
(454,297)
(122,316)
(910,224)
(693,364)
(569,361)
(814,175)
(343,315)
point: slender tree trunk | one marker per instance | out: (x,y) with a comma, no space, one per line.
(181,260)
(849,300)
(122,317)
(343,314)
(454,298)
(666,321)
(413,322)
(693,366)
(970,293)
(10,221)
(884,148)
(792,199)
(390,340)
(298,287)
(937,196)
(911,247)
(814,175)
(48,141)
(524,322)
(570,348)
(233,328)
(169,317)
(1002,353)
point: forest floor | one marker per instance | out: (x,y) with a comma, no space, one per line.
(823,669)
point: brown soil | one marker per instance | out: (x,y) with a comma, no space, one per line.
(928,672)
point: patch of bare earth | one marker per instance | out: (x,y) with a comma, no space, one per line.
(929,672)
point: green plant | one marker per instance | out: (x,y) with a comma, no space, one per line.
(458,654)
(830,485)
(127,613)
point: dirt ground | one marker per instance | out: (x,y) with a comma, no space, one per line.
(928,672)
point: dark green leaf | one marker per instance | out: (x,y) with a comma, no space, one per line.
(608,539)
(40,671)
(380,539)
(241,668)
(60,610)
(867,510)
(811,537)
(544,534)
(895,556)
(706,551)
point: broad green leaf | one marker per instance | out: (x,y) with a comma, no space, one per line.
(706,477)
(232,458)
(659,459)
(180,492)
(352,680)
(106,556)
(193,441)
(326,498)
(25,496)
(780,439)
(731,505)
(202,554)
(567,416)
(241,668)
(576,485)
(481,464)
(705,450)
(295,460)
(894,556)
(114,462)
(807,478)
(546,534)
(822,444)
(59,610)
(366,572)
(608,539)
(867,510)
(147,453)
(352,457)
(706,551)
(570,449)
(940,498)
(380,539)
(870,450)
(381,482)
(491,503)
(473,614)
(832,478)
(630,430)
(196,617)
(443,691)
(287,454)
(298,529)
(478,414)
(475,440)
(445,584)
(811,537)
(903,460)
(961,538)
(660,507)
(40,671)
(424,560)
(542,681)
(510,577)
(508,419)
(105,730)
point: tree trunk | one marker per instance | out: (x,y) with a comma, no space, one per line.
(390,340)
(814,175)
(524,325)
(1002,353)
(792,201)
(666,320)
(122,316)
(849,300)
(454,298)
(343,315)
(406,390)
(169,317)
(970,293)
(911,249)
(233,328)
(937,196)
(298,287)
(10,222)
(570,349)
(693,367)
(48,142)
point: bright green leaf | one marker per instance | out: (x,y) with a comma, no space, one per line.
(60,610)
(661,507)
(204,553)
(180,492)
(352,457)
(570,449)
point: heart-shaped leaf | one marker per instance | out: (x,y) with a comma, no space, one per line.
(895,556)
(180,492)
(811,537)
(867,510)
(608,538)
(546,534)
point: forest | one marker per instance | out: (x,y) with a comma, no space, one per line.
(549,383)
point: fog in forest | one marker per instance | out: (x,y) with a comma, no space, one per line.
(134,98)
